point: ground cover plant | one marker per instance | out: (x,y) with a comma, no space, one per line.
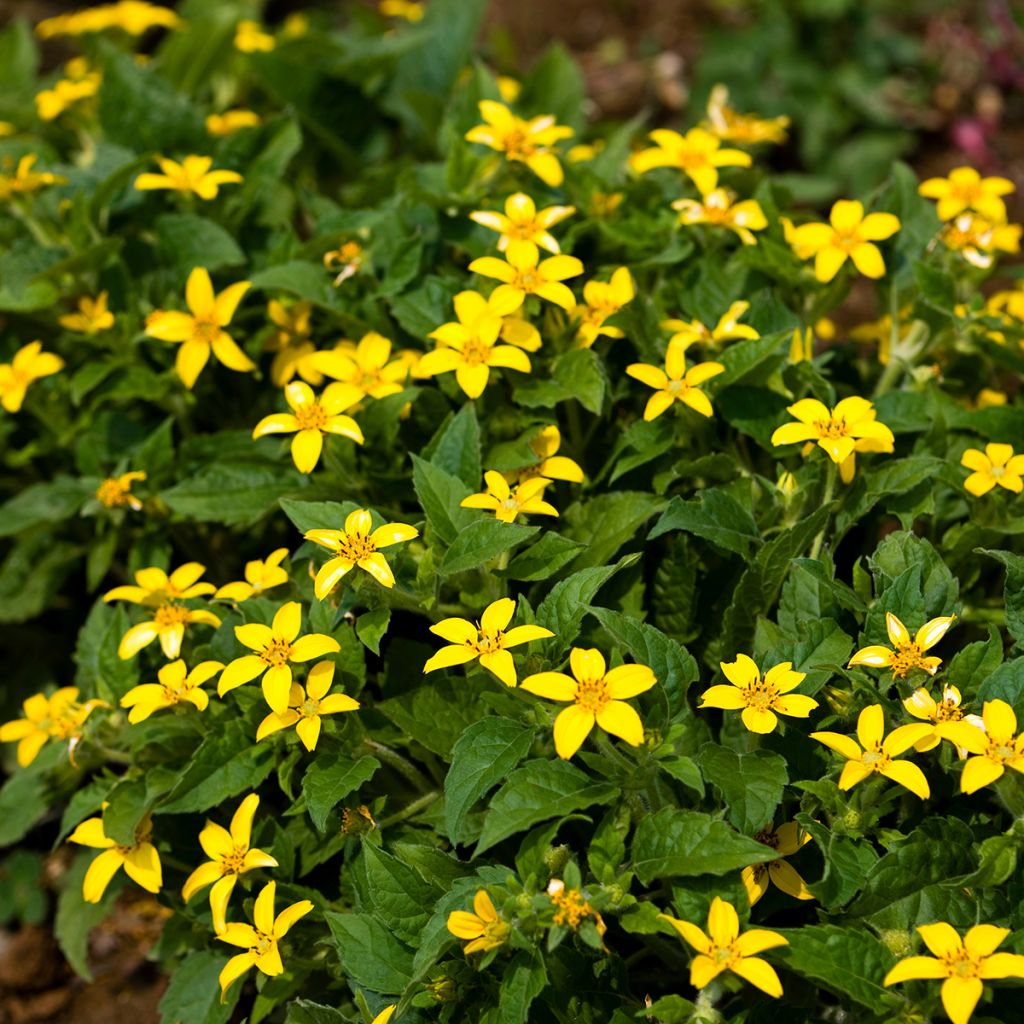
(505,586)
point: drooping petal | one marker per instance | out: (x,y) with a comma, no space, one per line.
(204,875)
(142,865)
(759,973)
(501,664)
(960,996)
(220,895)
(690,933)
(99,874)
(456,654)
(620,719)
(572,726)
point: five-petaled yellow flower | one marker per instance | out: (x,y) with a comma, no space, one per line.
(965,189)
(964,964)
(277,647)
(596,697)
(675,383)
(551,466)
(760,698)
(523,222)
(201,330)
(907,652)
(506,502)
(116,491)
(192,175)
(848,235)
(996,466)
(29,364)
(996,746)
(945,716)
(718,209)
(260,943)
(785,841)
(177,685)
(489,640)
(527,142)
(697,153)
(877,756)
(365,370)
(230,856)
(523,273)
(601,301)
(231,121)
(92,317)
(731,126)
(307,705)
(358,544)
(140,861)
(978,240)
(58,717)
(310,419)
(724,948)
(291,340)
(260,576)
(692,332)
(484,928)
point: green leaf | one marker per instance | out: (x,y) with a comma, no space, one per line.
(455,447)
(436,711)
(1013,592)
(399,896)
(522,981)
(75,918)
(19,56)
(751,784)
(607,522)
(186,241)
(542,559)
(317,515)
(192,995)
(577,374)
(40,503)
(848,862)
(299,278)
(327,783)
(752,360)
(369,954)
(371,627)
(971,666)
(1005,683)
(555,83)
(23,796)
(478,543)
(439,494)
(714,515)
(127,804)
(236,493)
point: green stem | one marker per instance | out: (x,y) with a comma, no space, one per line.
(401,764)
(411,810)
(830,486)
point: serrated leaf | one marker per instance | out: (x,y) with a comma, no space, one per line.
(714,515)
(400,897)
(327,783)
(369,954)
(751,784)
(479,542)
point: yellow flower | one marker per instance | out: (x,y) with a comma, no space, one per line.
(965,189)
(488,640)
(154,587)
(260,576)
(849,427)
(409,10)
(907,653)
(521,274)
(697,153)
(202,329)
(977,239)
(801,348)
(484,928)
(878,754)
(250,37)
(604,204)
(731,126)
(230,856)
(81,84)
(600,301)
(989,398)
(675,383)
(386,1014)
(718,209)
(132,16)
(509,88)
(92,317)
(848,235)
(995,466)
(306,706)
(309,420)
(358,544)
(945,715)
(964,964)
(507,503)
(583,152)
(693,332)
(785,840)
(140,861)
(231,121)
(193,174)
(996,747)
(29,364)
(760,698)
(116,491)
(260,943)
(522,222)
(277,647)
(58,717)
(724,948)
(551,466)
(175,687)
(595,696)
(363,371)
(292,341)
(527,142)
(25,180)
(880,331)
(470,346)
(346,259)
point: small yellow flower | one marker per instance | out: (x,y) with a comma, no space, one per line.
(231,121)
(528,142)
(693,332)
(724,948)
(409,10)
(92,317)
(507,503)
(6,128)
(675,383)
(523,273)
(58,717)
(292,342)
(596,697)
(801,348)
(260,943)
(717,209)
(989,398)
(346,259)
(878,754)
(176,686)
(277,646)
(154,586)
(522,222)
(978,240)
(29,364)
(488,640)
(484,929)
(365,370)
(785,840)
(192,175)
(760,699)
(230,856)
(25,180)
(880,331)
(945,715)
(965,189)
(965,964)
(849,427)
(251,38)
(697,153)
(358,544)
(310,419)
(604,204)
(260,576)
(995,466)
(601,301)
(906,653)
(140,861)
(81,84)
(509,88)
(848,235)
(747,129)
(306,706)
(551,465)
(996,746)
(202,328)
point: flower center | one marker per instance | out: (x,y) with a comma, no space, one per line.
(309,708)
(961,964)
(1001,749)
(490,643)
(767,837)
(831,428)
(356,547)
(724,955)
(876,759)
(204,329)
(474,352)
(495,932)
(311,416)
(112,493)
(527,280)
(760,695)
(691,159)
(168,615)
(592,694)
(674,387)
(905,659)
(997,471)
(524,230)
(264,944)
(517,145)
(277,653)
(232,863)
(947,711)
(846,240)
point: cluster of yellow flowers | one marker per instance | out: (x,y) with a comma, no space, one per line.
(132,16)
